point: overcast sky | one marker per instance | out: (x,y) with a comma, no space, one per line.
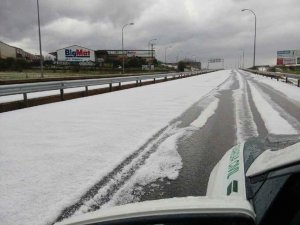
(195,29)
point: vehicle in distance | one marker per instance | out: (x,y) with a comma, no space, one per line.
(256,182)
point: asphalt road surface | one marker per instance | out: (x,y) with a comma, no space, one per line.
(204,148)
(235,119)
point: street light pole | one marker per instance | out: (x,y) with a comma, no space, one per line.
(243,59)
(40,42)
(123,69)
(254,33)
(150,44)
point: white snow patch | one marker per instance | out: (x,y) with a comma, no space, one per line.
(245,125)
(292,92)
(10,98)
(272,119)
(206,114)
(115,180)
(164,163)
(52,154)
(227,84)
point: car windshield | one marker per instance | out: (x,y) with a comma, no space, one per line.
(107,103)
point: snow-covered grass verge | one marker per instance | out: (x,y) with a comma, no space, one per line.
(50,155)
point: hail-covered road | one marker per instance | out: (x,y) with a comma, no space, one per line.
(159,141)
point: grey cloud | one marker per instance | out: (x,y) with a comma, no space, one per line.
(195,28)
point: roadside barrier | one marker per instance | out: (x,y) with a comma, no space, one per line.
(284,76)
(61,86)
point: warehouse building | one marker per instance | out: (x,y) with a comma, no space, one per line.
(86,56)
(8,51)
(74,53)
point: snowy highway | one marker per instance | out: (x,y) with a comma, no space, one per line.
(158,141)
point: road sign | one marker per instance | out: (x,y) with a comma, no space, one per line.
(215,60)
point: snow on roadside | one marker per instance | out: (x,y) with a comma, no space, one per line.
(50,155)
(290,91)
(164,163)
(274,122)
(245,125)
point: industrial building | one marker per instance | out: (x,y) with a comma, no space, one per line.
(76,53)
(8,51)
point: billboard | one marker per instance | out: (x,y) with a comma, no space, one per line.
(288,57)
(132,53)
(217,60)
(289,61)
(75,53)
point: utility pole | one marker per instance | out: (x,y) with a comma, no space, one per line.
(152,49)
(40,42)
(254,33)
(123,60)
(150,44)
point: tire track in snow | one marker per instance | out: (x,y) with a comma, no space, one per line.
(245,124)
(111,183)
(118,190)
(165,162)
(107,190)
(277,120)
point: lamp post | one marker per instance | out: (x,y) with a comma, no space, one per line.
(40,42)
(150,47)
(243,64)
(254,33)
(123,69)
(166,53)
(150,42)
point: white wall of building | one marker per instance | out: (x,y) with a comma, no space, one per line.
(75,53)
(7,51)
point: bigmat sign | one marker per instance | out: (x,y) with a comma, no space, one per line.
(75,53)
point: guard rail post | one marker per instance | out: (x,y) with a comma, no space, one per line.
(86,90)
(119,85)
(298,83)
(25,99)
(62,97)
(110,87)
(154,81)
(286,79)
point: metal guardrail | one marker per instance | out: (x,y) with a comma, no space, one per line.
(14,89)
(284,76)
